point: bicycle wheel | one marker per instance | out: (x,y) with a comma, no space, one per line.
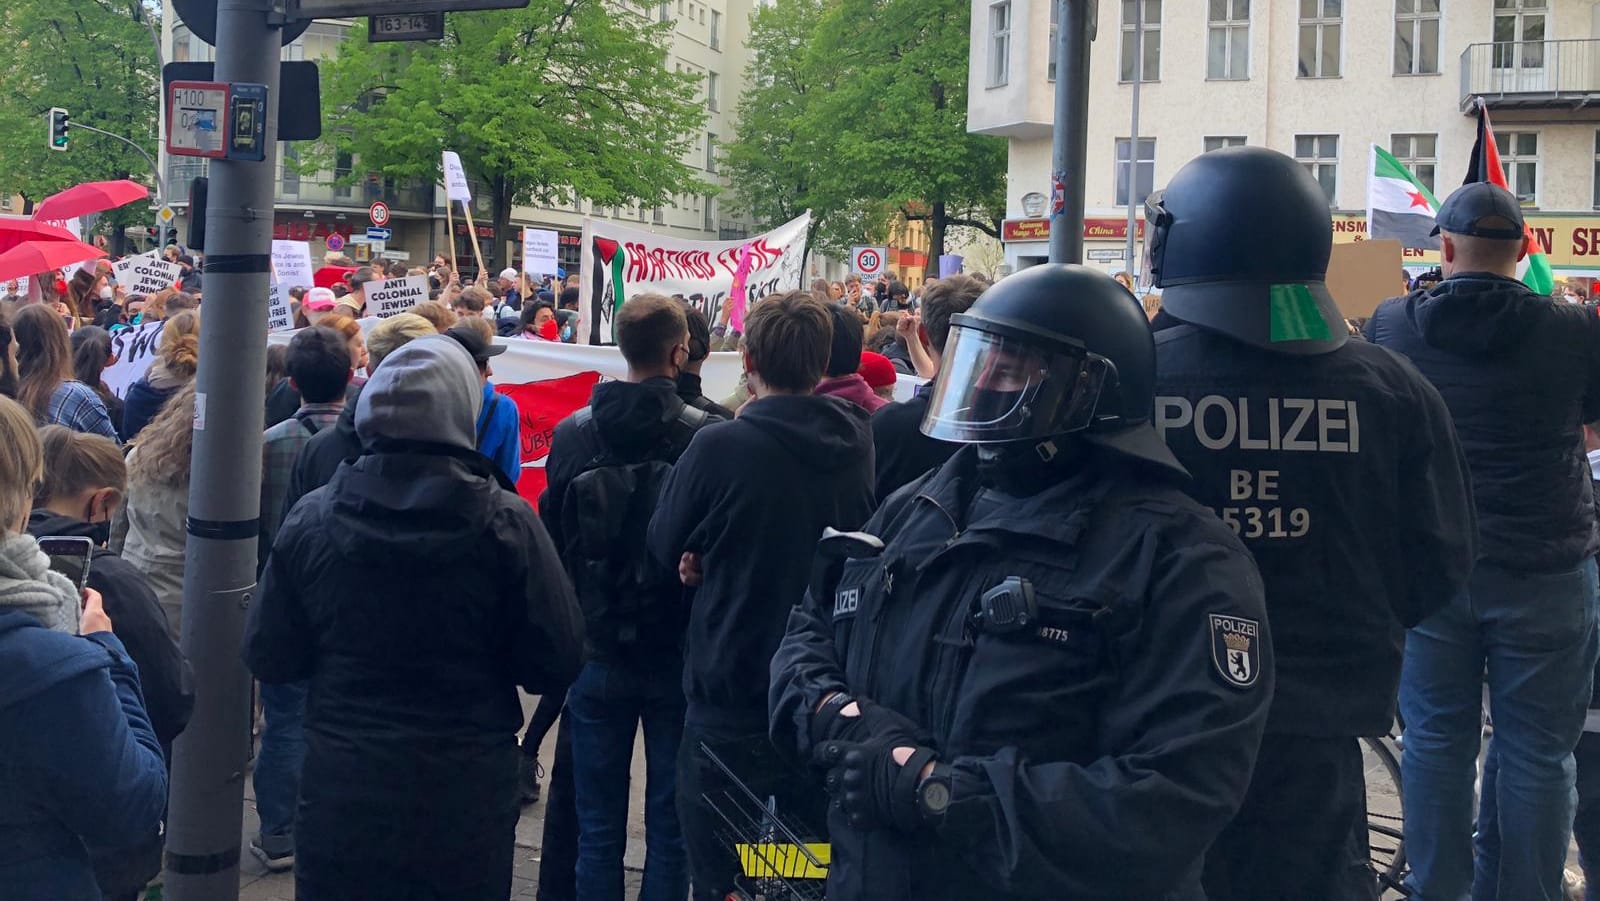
(1385,813)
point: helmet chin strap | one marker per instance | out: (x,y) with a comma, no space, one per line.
(1025,468)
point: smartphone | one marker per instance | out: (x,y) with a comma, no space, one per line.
(69,555)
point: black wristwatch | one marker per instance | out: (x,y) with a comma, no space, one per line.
(933,793)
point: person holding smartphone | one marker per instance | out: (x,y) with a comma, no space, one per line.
(84,770)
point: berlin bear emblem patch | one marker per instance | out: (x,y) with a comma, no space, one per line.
(1236,649)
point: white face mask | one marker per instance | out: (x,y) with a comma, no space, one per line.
(1571,298)
(106,293)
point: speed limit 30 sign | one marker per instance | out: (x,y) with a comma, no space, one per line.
(379,213)
(868,260)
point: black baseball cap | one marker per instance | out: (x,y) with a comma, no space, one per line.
(1483,210)
(481,349)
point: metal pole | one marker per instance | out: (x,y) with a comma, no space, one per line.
(1133,141)
(1071,131)
(161,185)
(209,758)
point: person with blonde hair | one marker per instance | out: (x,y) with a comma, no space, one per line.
(47,385)
(437,313)
(84,482)
(83,771)
(150,530)
(177,362)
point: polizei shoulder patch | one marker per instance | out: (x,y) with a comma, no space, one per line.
(1236,649)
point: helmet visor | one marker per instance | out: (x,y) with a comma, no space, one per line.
(993,388)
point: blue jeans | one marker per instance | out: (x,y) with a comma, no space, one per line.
(1534,634)
(606,706)
(277,775)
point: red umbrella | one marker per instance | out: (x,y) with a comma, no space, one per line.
(34,257)
(328,276)
(90,197)
(16,231)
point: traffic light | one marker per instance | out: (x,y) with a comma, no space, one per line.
(58,128)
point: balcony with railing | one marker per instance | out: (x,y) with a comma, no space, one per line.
(1532,75)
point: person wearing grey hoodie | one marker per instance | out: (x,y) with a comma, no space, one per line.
(415,594)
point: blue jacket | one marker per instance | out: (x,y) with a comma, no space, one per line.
(499,435)
(80,767)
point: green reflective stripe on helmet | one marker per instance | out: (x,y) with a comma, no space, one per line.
(1295,315)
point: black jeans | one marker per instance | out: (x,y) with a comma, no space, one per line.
(544,716)
(558,862)
(713,866)
(1302,832)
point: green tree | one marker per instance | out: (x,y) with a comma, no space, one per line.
(901,115)
(560,100)
(96,59)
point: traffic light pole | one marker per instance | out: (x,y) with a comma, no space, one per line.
(161,185)
(209,759)
(1074,31)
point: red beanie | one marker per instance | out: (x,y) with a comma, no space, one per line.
(877,370)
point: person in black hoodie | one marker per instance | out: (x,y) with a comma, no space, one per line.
(740,516)
(902,452)
(84,481)
(415,594)
(1520,373)
(699,350)
(606,462)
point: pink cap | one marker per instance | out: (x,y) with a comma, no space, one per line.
(320,300)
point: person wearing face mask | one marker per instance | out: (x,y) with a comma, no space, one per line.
(1573,293)
(1042,671)
(84,482)
(739,516)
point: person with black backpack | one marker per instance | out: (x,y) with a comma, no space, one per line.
(606,467)
(319,368)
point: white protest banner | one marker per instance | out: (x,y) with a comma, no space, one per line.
(146,274)
(540,249)
(396,295)
(619,263)
(291,264)
(279,317)
(455,178)
(135,349)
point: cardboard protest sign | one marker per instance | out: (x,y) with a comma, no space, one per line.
(455,178)
(279,317)
(540,251)
(619,263)
(291,264)
(1363,274)
(135,349)
(146,274)
(396,295)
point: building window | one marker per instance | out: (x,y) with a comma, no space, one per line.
(711,152)
(291,176)
(1150,52)
(659,217)
(1217,142)
(343,165)
(716,28)
(665,12)
(1055,15)
(1144,170)
(1419,153)
(713,89)
(1320,155)
(711,214)
(1519,33)
(1416,37)
(999,43)
(1228,41)
(1320,25)
(1519,160)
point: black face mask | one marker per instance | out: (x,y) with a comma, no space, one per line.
(989,405)
(1025,468)
(100,533)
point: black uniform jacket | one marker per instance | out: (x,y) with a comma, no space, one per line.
(1342,474)
(1096,755)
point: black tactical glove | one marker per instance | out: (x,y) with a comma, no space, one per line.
(874,722)
(871,789)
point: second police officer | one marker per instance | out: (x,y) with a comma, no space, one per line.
(1052,681)
(1336,463)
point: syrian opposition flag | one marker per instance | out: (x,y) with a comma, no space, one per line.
(1399,206)
(1534,270)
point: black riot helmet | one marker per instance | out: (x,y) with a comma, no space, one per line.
(1052,350)
(1238,243)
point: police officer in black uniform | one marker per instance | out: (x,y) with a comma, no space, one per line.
(1052,681)
(1336,463)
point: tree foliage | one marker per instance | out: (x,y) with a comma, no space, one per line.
(94,58)
(560,100)
(857,109)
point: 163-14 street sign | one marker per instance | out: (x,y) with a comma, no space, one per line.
(405,27)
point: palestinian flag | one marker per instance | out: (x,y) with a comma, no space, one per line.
(1399,206)
(1534,270)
